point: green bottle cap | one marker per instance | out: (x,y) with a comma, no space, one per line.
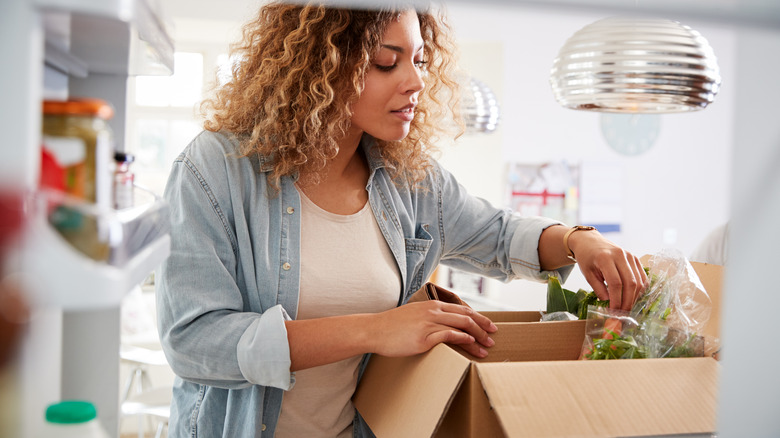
(71,412)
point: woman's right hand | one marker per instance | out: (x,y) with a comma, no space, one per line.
(417,327)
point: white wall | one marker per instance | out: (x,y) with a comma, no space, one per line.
(680,186)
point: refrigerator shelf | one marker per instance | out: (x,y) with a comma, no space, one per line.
(77,256)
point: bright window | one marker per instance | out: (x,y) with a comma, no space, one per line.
(158,138)
(182,89)
(162,116)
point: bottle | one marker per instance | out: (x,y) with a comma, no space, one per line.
(123,180)
(72,419)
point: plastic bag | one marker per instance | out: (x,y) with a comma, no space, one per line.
(664,322)
(558,316)
(616,334)
(675,286)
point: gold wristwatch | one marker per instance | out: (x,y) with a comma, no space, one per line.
(569,252)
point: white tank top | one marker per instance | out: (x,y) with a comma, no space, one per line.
(346,268)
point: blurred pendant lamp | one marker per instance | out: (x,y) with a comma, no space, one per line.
(635,65)
(480,107)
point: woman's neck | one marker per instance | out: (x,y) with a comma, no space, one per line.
(341,188)
(348,158)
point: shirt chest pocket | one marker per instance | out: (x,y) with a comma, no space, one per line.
(416,253)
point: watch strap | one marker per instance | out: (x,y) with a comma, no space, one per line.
(569,252)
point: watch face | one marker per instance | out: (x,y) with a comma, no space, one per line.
(630,134)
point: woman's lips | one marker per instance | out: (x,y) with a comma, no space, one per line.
(406,113)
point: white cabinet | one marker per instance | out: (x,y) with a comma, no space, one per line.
(56,49)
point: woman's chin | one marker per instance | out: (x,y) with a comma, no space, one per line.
(392,136)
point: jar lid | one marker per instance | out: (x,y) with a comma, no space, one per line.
(124,157)
(79,107)
(71,412)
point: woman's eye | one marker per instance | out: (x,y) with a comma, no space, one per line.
(420,64)
(385,67)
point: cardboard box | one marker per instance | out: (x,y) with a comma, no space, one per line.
(532,385)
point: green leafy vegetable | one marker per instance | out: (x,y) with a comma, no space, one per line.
(619,347)
(560,299)
(590,300)
(564,300)
(636,344)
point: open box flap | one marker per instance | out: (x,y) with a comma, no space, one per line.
(409,395)
(637,397)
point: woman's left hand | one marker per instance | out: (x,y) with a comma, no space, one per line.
(614,274)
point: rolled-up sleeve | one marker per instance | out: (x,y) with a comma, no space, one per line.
(525,256)
(264,353)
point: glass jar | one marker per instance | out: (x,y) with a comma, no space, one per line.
(75,132)
(79,142)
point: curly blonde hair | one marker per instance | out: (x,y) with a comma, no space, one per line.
(299,69)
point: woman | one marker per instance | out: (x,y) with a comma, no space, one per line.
(309,210)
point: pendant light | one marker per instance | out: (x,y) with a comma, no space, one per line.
(480,107)
(635,65)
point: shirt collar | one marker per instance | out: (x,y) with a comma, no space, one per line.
(372,152)
(368,143)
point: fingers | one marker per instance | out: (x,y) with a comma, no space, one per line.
(637,266)
(417,327)
(597,283)
(464,340)
(463,326)
(619,278)
(619,295)
(633,281)
(469,321)
(479,319)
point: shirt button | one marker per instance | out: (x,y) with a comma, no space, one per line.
(286,266)
(290,210)
(262,428)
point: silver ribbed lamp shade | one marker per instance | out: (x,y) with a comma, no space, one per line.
(635,65)
(480,107)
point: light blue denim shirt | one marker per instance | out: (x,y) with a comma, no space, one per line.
(232,276)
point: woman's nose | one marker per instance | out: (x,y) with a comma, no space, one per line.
(414,80)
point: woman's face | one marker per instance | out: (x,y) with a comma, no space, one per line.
(385,109)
